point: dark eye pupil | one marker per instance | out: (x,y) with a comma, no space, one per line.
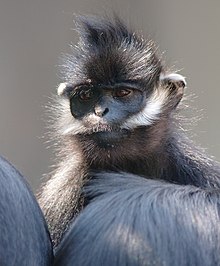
(122,92)
(85,95)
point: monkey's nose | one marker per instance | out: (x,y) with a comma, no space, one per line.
(101,111)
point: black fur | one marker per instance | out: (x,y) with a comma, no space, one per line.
(24,237)
(136,221)
(108,54)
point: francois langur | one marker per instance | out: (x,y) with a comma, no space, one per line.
(129,188)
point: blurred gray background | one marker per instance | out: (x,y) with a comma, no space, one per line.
(34,34)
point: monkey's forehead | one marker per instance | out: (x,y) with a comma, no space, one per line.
(109,52)
(113,64)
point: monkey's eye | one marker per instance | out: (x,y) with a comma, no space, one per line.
(85,95)
(119,93)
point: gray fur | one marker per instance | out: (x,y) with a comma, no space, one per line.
(150,145)
(24,237)
(133,221)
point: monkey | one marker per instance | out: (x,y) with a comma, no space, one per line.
(116,113)
(135,221)
(24,237)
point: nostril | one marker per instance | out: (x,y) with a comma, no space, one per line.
(101,111)
(105,111)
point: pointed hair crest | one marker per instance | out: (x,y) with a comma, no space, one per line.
(100,31)
(109,52)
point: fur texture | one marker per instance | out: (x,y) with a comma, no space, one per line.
(24,235)
(109,55)
(133,221)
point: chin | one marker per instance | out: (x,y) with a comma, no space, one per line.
(108,139)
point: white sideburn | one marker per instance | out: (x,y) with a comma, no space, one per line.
(154,105)
(150,113)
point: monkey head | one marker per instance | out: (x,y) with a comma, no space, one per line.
(114,83)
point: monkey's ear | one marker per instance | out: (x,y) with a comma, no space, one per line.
(173,78)
(174,83)
(63,89)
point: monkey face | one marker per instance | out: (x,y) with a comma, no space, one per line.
(102,110)
(107,106)
(112,112)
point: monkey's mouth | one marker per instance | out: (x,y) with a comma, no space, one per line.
(105,128)
(106,135)
(107,138)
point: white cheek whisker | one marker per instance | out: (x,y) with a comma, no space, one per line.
(151,112)
(74,129)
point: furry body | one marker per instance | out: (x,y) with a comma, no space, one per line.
(24,235)
(156,223)
(130,127)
